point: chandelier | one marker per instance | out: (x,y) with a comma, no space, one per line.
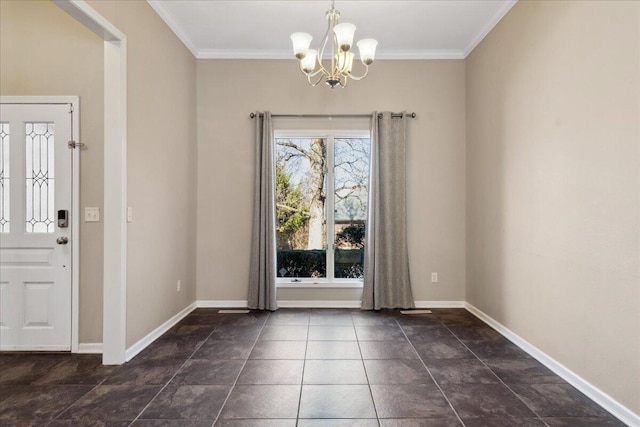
(340,38)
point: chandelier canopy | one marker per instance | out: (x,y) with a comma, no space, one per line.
(340,38)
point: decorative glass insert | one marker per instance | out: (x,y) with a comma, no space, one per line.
(39,144)
(4,178)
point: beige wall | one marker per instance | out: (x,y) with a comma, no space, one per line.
(553,211)
(161,166)
(43,51)
(228,90)
(46,52)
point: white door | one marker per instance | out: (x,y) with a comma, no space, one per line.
(35,244)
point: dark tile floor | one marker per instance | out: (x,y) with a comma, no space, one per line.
(301,368)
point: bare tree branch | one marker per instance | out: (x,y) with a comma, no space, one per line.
(294,146)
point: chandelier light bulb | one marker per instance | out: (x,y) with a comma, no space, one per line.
(301,43)
(308,63)
(367,50)
(344,34)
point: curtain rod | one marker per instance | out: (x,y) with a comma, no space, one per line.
(395,115)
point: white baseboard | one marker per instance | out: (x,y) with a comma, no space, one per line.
(132,351)
(440,304)
(620,411)
(221,303)
(318,304)
(90,348)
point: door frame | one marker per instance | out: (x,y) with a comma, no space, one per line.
(114,316)
(74,103)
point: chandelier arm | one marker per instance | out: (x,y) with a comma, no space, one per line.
(316,82)
(366,71)
(334,66)
(323,46)
(346,80)
(312,74)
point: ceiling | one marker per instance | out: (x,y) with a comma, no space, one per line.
(260,29)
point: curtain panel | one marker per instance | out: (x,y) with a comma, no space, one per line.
(386,266)
(262,273)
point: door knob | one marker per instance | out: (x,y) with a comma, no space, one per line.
(62,240)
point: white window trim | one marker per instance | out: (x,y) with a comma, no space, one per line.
(321,283)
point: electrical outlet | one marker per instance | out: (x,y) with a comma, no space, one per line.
(434,277)
(179,287)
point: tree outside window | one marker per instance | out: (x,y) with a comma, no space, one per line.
(317,230)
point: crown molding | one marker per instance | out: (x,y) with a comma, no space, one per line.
(244,54)
(171,23)
(419,54)
(286,54)
(504,8)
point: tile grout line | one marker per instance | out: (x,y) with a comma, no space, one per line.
(375,408)
(496,375)
(429,371)
(241,369)
(76,401)
(304,364)
(195,350)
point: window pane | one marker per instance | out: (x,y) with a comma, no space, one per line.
(351,193)
(39,177)
(300,207)
(4,178)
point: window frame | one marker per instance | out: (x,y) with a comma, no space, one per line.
(330,136)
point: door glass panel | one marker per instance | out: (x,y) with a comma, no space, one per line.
(300,207)
(351,177)
(39,144)
(4,178)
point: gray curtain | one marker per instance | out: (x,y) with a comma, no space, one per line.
(386,265)
(262,273)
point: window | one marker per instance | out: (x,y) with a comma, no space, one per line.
(319,232)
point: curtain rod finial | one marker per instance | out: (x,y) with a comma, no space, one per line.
(252,115)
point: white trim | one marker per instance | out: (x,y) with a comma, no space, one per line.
(288,284)
(74,101)
(115,178)
(90,18)
(286,53)
(318,304)
(39,100)
(504,8)
(158,332)
(222,303)
(623,413)
(440,304)
(419,54)
(90,348)
(161,10)
(115,195)
(34,348)
(75,227)
(321,304)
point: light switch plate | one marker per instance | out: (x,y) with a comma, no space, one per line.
(129,214)
(91,214)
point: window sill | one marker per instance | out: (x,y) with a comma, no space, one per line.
(319,285)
